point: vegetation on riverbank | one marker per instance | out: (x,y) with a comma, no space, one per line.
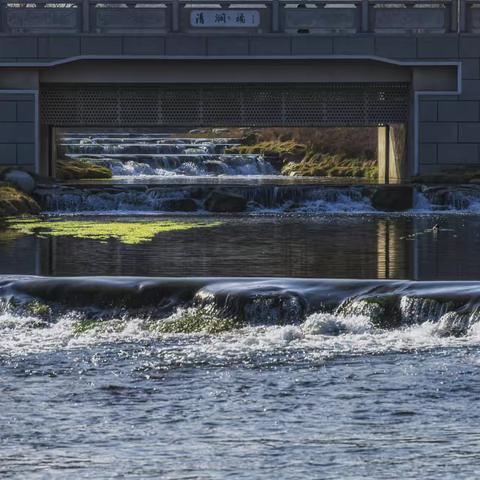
(316,152)
(325,165)
(131,233)
(80,170)
(287,150)
(14,202)
(328,152)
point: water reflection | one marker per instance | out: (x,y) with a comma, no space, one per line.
(310,247)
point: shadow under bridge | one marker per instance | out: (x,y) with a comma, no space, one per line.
(385,105)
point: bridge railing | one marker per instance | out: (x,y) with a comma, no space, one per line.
(242,16)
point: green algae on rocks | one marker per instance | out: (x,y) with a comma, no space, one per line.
(195,320)
(15,202)
(80,169)
(130,233)
(185,321)
(38,309)
(88,325)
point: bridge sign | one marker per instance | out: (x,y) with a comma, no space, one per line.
(224,18)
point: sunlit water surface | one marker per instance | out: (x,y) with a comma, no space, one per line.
(328,397)
(252,404)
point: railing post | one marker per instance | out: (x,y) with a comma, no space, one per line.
(275,13)
(365,16)
(3,16)
(85,16)
(454,16)
(462,16)
(175,15)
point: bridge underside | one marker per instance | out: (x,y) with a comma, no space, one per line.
(171,93)
(224,105)
(252,105)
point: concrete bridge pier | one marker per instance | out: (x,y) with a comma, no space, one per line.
(392,153)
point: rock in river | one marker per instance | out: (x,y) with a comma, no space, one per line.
(20,179)
(224,202)
(393,198)
(180,205)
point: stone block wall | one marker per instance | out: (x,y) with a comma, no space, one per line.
(449,128)
(17,130)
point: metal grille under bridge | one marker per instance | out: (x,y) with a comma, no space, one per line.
(262,105)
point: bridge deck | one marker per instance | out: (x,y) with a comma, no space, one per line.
(248,16)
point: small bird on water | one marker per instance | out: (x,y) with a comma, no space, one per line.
(436,228)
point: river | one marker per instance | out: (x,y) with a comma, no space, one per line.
(309,336)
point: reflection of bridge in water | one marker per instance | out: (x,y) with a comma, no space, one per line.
(309,247)
(410,68)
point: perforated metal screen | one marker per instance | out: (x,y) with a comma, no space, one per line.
(345,104)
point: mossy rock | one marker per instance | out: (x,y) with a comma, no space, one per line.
(196,320)
(13,202)
(87,325)
(38,309)
(383,310)
(80,170)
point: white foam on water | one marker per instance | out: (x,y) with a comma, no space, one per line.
(319,337)
(344,203)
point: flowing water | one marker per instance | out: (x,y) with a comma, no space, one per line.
(157,155)
(310,336)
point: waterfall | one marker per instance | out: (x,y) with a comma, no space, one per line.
(129,155)
(452,198)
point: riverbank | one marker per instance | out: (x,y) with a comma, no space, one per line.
(17,188)
(14,202)
(311,153)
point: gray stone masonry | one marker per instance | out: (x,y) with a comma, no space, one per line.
(17,130)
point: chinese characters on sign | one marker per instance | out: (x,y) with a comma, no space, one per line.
(225,18)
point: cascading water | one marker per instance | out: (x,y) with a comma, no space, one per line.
(450,198)
(175,306)
(130,155)
(265,198)
(170,158)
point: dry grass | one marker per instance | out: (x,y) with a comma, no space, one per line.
(287,151)
(324,165)
(329,152)
(347,142)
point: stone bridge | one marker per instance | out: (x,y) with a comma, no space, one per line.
(410,68)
